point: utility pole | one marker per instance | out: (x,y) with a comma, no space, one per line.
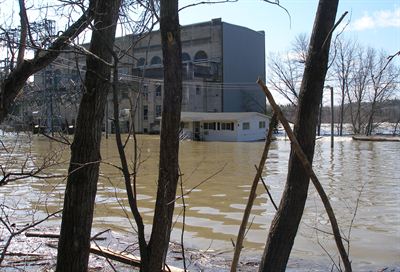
(332,113)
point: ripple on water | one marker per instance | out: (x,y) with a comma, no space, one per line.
(215,208)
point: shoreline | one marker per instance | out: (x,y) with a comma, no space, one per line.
(39,254)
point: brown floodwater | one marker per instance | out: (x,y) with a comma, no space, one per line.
(216,180)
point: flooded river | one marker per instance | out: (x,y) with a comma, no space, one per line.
(365,175)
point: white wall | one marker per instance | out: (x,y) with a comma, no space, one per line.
(238,134)
(254,133)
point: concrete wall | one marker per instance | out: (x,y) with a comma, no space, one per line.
(243,62)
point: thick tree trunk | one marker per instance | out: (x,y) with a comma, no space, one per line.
(73,246)
(169,145)
(286,222)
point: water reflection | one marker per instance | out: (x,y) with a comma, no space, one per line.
(352,170)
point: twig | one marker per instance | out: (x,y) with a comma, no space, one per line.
(208,3)
(266,189)
(354,217)
(333,29)
(15,233)
(276,2)
(252,196)
(183,221)
(199,184)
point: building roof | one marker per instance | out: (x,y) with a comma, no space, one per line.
(218,116)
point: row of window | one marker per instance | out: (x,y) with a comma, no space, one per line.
(218,126)
(145,91)
(156,60)
(229,126)
(146,112)
(246,125)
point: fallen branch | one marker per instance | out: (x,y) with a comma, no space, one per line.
(123,257)
(308,168)
(54,235)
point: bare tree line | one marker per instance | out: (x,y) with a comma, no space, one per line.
(363,77)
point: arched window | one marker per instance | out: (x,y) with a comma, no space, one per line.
(200,55)
(185,57)
(140,62)
(155,60)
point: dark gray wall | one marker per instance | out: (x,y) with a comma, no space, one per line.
(243,52)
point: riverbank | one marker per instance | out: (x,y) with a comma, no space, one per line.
(39,254)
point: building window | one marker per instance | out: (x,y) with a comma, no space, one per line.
(185,57)
(145,112)
(246,126)
(261,124)
(209,126)
(158,90)
(156,60)
(227,126)
(140,62)
(158,110)
(198,90)
(200,56)
(145,92)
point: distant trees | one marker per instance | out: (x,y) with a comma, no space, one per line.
(366,80)
(364,77)
(342,68)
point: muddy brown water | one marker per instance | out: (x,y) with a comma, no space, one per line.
(366,174)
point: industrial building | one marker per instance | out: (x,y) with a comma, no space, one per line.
(221,63)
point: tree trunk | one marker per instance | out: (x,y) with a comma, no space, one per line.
(169,145)
(74,243)
(285,224)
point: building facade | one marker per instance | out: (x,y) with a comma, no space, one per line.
(221,63)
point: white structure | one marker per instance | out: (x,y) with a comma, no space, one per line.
(224,126)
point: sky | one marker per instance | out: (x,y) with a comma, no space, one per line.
(374,23)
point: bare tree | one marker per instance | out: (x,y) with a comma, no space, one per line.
(357,93)
(343,71)
(169,143)
(286,70)
(384,82)
(74,243)
(286,221)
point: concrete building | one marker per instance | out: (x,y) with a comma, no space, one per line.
(221,63)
